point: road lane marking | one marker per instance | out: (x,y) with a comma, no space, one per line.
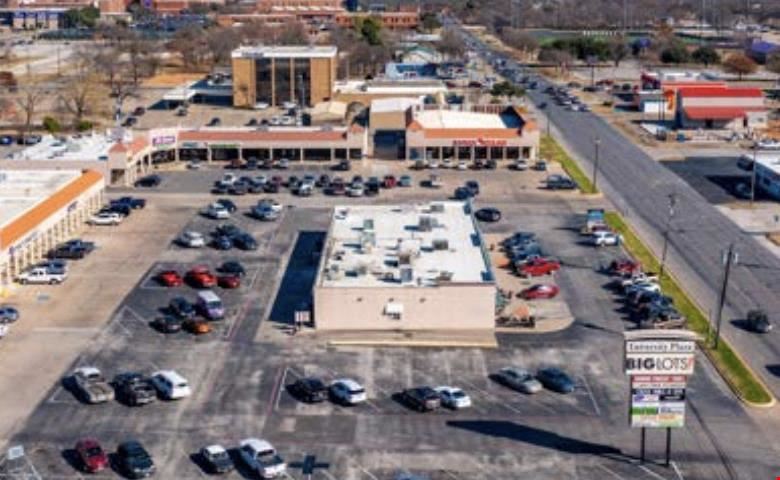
(610,471)
(677,471)
(590,394)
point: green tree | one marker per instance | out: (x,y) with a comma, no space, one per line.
(506,88)
(675,52)
(739,64)
(430,21)
(370,28)
(706,55)
(51,125)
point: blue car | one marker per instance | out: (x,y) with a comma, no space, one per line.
(555,379)
(222,242)
(8,314)
(463,193)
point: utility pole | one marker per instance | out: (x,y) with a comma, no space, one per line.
(672,204)
(594,178)
(753,176)
(730,257)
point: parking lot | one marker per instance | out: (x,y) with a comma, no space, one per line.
(239,372)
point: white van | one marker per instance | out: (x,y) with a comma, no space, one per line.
(171,385)
(210,305)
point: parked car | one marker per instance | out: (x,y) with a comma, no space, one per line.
(196,326)
(229,281)
(758,321)
(555,379)
(261,457)
(389,181)
(422,399)
(405,181)
(347,392)
(167,324)
(355,190)
(200,277)
(149,181)
(133,460)
(8,314)
(169,278)
(133,202)
(265,212)
(560,182)
(473,187)
(67,251)
(222,242)
(134,389)
(309,389)
(453,397)
(343,166)
(216,211)
(182,308)
(191,239)
(518,379)
(170,385)
(538,267)
(541,290)
(520,165)
(603,238)
(228,205)
(40,275)
(232,267)
(216,459)
(462,193)
(489,214)
(92,457)
(214,122)
(91,386)
(623,267)
(244,241)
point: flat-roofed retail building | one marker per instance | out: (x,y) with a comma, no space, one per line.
(503,133)
(275,75)
(41,208)
(404,267)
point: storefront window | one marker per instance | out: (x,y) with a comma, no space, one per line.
(464,153)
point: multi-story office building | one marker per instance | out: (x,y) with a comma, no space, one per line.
(275,75)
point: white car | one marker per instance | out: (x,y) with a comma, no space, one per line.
(519,379)
(520,165)
(347,392)
(261,106)
(355,191)
(463,165)
(216,211)
(289,105)
(105,218)
(261,457)
(767,144)
(606,238)
(171,385)
(271,204)
(434,164)
(265,212)
(40,275)
(288,120)
(649,287)
(228,179)
(192,239)
(453,397)
(447,163)
(275,120)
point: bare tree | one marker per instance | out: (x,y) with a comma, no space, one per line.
(140,57)
(189,44)
(222,41)
(451,44)
(28,100)
(520,40)
(82,95)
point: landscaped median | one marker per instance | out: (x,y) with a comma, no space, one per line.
(741,379)
(551,151)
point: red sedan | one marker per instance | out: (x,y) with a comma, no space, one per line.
(170,278)
(538,267)
(91,455)
(389,181)
(624,267)
(201,277)
(229,281)
(541,290)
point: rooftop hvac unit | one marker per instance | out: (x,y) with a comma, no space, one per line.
(405,258)
(333,273)
(367,242)
(368,225)
(441,244)
(361,270)
(444,276)
(426,223)
(437,208)
(407,275)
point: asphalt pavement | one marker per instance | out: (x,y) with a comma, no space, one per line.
(640,187)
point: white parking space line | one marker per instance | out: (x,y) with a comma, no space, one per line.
(279,391)
(370,475)
(610,471)
(590,394)
(327,474)
(334,375)
(450,474)
(677,471)
(651,473)
(492,396)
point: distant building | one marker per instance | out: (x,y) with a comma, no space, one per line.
(274,75)
(719,107)
(760,50)
(404,18)
(768,174)
(404,267)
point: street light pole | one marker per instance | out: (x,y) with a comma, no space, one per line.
(730,257)
(753,176)
(672,203)
(596,144)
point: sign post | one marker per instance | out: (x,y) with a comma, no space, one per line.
(658,363)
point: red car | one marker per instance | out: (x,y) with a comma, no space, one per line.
(229,281)
(540,290)
(201,277)
(170,278)
(91,455)
(389,181)
(538,267)
(624,267)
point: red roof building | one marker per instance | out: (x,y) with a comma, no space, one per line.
(720,107)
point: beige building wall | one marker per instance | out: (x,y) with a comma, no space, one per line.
(323,76)
(450,307)
(387,120)
(244,94)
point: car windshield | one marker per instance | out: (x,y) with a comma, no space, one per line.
(458,394)
(94,452)
(356,391)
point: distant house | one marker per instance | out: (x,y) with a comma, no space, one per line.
(760,50)
(421,55)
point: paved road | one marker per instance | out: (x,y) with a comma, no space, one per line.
(639,187)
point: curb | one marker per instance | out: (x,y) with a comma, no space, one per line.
(411,343)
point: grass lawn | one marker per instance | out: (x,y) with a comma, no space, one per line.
(551,151)
(733,370)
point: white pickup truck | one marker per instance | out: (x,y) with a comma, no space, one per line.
(41,275)
(260,456)
(91,386)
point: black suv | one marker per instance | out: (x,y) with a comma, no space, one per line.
(182,308)
(133,459)
(67,251)
(149,181)
(423,399)
(309,390)
(134,389)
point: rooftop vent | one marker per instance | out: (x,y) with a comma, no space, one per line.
(426,223)
(407,274)
(441,244)
(437,208)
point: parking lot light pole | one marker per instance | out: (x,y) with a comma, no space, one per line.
(594,177)
(672,203)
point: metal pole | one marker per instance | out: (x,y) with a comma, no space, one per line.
(722,299)
(753,176)
(672,203)
(668,446)
(642,447)
(597,143)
